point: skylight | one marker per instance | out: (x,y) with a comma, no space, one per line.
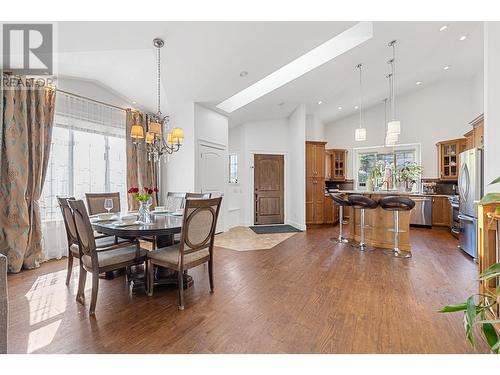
(352,37)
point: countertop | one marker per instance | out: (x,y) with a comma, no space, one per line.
(385,192)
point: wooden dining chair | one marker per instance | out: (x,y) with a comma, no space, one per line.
(175,201)
(72,237)
(198,195)
(95,202)
(107,259)
(196,246)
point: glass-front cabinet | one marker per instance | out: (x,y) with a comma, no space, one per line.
(448,152)
(336,164)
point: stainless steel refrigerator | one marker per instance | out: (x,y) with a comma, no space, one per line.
(470,187)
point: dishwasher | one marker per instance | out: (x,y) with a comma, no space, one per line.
(421,214)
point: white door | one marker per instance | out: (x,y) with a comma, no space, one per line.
(212,175)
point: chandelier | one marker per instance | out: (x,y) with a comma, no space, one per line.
(157,125)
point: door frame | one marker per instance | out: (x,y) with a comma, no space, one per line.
(252,182)
(221,147)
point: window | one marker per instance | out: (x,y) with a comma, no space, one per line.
(233,168)
(88,153)
(367,159)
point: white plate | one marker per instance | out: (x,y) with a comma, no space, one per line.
(122,224)
(161,212)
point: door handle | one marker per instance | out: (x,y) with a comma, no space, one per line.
(465,218)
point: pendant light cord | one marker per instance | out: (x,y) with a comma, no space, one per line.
(360,94)
(159,72)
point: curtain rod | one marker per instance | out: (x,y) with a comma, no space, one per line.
(95,101)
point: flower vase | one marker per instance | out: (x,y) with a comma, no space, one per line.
(144,212)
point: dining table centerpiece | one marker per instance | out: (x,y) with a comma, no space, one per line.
(145,199)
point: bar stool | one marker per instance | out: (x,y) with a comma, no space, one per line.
(397,204)
(342,201)
(362,203)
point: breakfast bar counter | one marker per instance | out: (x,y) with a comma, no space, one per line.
(380,232)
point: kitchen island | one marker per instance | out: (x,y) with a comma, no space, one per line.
(380,222)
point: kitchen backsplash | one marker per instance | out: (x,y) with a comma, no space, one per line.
(442,187)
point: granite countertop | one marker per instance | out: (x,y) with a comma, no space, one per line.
(385,192)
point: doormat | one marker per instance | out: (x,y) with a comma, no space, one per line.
(267,229)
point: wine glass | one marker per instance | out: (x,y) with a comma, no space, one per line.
(108,204)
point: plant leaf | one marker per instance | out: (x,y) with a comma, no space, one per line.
(470,318)
(491,336)
(454,308)
(490,198)
(495,181)
(491,272)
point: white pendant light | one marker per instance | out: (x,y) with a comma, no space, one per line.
(393,126)
(360,133)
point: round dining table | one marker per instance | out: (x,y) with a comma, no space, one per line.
(160,232)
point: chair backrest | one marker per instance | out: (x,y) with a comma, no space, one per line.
(198,229)
(362,202)
(85,234)
(198,195)
(95,202)
(175,201)
(69,223)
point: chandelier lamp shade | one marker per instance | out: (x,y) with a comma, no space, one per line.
(157,125)
(360,133)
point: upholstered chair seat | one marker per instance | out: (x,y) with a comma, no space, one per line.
(171,256)
(115,256)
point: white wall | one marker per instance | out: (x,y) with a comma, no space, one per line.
(296,185)
(178,169)
(428,115)
(492,108)
(284,137)
(315,129)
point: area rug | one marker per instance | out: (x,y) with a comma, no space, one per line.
(267,229)
(244,239)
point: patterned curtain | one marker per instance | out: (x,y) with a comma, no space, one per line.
(141,171)
(26,131)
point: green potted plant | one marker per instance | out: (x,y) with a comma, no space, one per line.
(485,313)
(409,174)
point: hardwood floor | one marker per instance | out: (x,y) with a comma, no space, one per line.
(306,295)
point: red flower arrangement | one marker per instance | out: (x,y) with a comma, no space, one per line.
(145,196)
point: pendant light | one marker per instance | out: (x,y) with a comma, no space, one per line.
(390,138)
(393,126)
(360,134)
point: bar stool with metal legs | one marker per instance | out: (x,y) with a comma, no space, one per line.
(362,203)
(342,201)
(397,204)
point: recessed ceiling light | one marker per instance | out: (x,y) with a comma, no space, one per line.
(446,67)
(443,28)
(418,83)
(320,102)
(336,46)
(243,73)
(356,107)
(281,104)
(463,37)
(339,108)
(134,102)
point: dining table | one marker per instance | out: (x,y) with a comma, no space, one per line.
(160,232)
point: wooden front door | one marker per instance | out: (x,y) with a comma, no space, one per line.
(269,189)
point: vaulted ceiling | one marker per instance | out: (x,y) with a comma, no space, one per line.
(202,61)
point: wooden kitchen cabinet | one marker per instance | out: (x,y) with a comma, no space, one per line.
(331,212)
(475,137)
(315,182)
(328,165)
(441,211)
(448,157)
(338,164)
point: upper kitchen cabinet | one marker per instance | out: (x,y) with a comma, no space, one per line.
(315,159)
(448,158)
(336,164)
(475,137)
